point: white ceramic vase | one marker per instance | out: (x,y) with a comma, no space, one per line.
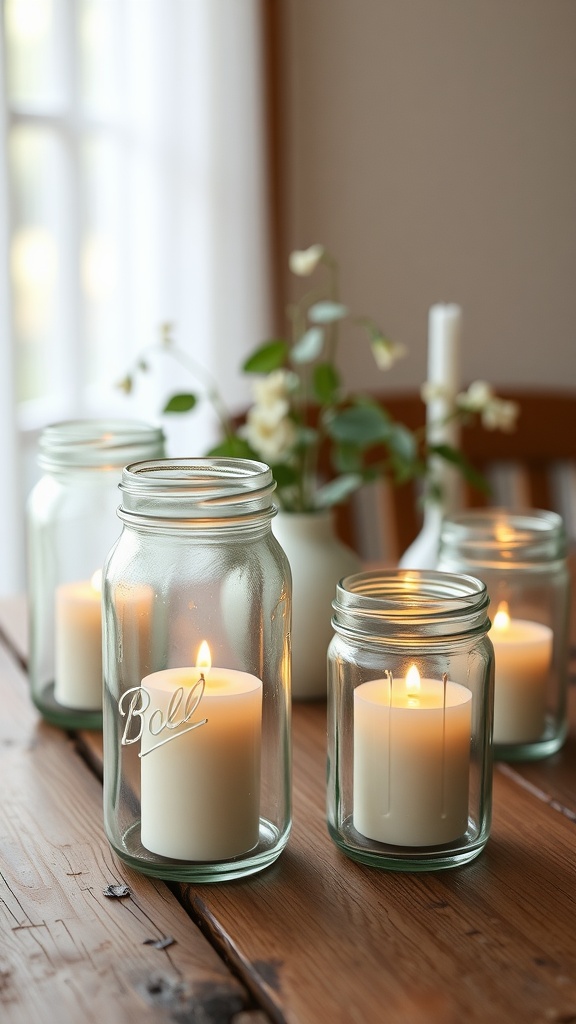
(423,551)
(318,560)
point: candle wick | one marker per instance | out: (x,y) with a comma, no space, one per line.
(388,675)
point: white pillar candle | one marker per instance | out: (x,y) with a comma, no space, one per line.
(411,760)
(78,644)
(444,327)
(200,763)
(523,655)
(444,330)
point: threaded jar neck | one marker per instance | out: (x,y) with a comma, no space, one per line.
(399,606)
(197,490)
(499,538)
(98,444)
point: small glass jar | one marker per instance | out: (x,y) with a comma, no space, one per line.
(72,524)
(410,687)
(521,557)
(197,604)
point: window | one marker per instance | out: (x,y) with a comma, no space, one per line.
(136,194)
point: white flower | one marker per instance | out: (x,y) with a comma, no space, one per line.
(272,437)
(477,398)
(500,414)
(303,262)
(431,391)
(495,413)
(387,352)
(274,388)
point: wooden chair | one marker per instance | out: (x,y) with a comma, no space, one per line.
(532,467)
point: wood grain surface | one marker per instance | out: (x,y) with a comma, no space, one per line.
(68,953)
(318,938)
(333,940)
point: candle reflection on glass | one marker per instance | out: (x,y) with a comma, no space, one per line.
(78,644)
(523,655)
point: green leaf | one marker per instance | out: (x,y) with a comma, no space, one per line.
(366,401)
(404,471)
(401,442)
(326,383)
(469,472)
(285,476)
(327,312)
(433,493)
(180,403)
(361,425)
(337,490)
(306,437)
(233,448)
(270,356)
(346,458)
(309,346)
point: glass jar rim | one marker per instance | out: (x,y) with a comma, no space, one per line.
(396,604)
(197,488)
(503,535)
(97,442)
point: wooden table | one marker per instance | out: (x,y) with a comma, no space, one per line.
(315,938)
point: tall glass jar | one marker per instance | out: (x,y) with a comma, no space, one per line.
(521,557)
(197,603)
(72,524)
(410,688)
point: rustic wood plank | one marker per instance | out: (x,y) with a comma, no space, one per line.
(317,937)
(333,940)
(14,626)
(552,779)
(69,953)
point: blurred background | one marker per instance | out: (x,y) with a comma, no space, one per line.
(159,159)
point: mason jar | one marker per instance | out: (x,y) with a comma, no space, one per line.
(72,524)
(197,605)
(521,557)
(410,690)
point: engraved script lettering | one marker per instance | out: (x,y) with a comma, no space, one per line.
(138,705)
(135,708)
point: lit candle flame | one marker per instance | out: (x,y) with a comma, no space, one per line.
(96,581)
(412,681)
(502,617)
(204,659)
(504,534)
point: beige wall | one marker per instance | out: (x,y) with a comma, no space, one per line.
(431,145)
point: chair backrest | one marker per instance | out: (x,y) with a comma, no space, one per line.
(533,466)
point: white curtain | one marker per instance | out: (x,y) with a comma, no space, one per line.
(174,229)
(11,518)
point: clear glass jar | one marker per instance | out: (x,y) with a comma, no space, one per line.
(410,688)
(521,557)
(197,604)
(72,524)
